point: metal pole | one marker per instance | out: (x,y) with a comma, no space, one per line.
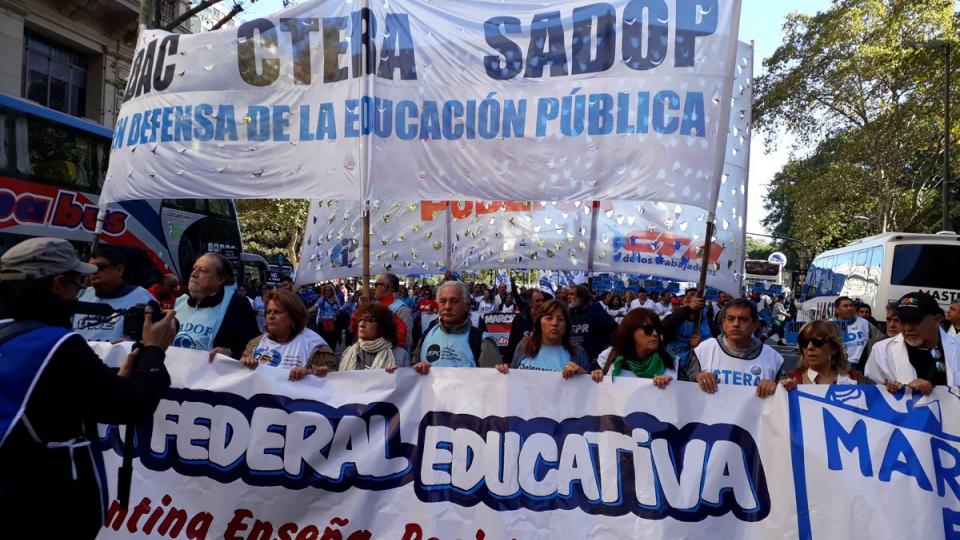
(946,141)
(702,282)
(365,246)
(591,248)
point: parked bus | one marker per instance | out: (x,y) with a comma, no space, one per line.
(880,269)
(761,272)
(52,169)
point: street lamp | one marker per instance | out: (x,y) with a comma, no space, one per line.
(944,46)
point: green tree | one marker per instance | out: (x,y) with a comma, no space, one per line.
(847,84)
(273,226)
(758,249)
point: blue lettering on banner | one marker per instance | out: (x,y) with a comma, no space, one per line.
(606,465)
(667,112)
(864,430)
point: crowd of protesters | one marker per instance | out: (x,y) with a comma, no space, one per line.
(658,335)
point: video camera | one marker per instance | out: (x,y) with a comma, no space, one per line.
(133,316)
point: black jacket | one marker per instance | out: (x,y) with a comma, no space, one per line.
(591,327)
(74,393)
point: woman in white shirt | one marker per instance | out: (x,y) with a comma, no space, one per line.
(287,343)
(487,304)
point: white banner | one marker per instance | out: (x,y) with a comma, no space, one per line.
(236,453)
(438,100)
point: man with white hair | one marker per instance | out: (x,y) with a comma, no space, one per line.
(922,356)
(451,341)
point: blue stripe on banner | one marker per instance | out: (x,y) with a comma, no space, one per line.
(804,530)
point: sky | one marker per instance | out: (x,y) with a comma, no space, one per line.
(760,22)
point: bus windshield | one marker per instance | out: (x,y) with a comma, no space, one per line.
(926,265)
(762,268)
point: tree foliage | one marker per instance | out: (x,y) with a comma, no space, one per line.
(757,249)
(867,107)
(272,227)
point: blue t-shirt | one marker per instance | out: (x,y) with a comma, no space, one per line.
(550,358)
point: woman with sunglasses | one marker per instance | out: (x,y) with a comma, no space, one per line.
(376,346)
(638,351)
(549,347)
(823,358)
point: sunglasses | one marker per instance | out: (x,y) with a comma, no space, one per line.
(817,342)
(649,329)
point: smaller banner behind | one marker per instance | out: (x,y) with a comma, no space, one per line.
(405,238)
(653,238)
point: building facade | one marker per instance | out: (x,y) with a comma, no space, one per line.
(74,55)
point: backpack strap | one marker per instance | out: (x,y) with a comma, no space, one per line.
(476,340)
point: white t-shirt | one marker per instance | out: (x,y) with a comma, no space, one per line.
(110,329)
(296,352)
(737,371)
(649,304)
(856,337)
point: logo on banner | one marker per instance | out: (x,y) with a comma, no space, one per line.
(661,248)
(344,254)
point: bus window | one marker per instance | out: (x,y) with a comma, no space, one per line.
(925,265)
(4,146)
(221,208)
(61,155)
(876,264)
(196,206)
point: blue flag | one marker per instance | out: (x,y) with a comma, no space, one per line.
(546,285)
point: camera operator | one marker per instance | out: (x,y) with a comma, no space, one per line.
(107,286)
(55,390)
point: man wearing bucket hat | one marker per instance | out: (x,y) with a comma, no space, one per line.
(55,390)
(922,355)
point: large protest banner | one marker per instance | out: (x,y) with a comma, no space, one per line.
(235,453)
(438,100)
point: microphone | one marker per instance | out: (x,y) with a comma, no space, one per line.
(90,308)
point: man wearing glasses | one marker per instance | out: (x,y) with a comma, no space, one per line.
(922,356)
(384,291)
(107,286)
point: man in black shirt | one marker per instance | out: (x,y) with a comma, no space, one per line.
(922,356)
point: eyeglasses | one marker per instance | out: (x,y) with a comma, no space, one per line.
(817,342)
(649,329)
(366,320)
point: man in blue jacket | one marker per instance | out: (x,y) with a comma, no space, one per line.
(56,389)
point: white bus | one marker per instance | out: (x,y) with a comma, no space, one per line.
(760,271)
(880,269)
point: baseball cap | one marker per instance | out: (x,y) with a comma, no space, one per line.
(914,306)
(38,258)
